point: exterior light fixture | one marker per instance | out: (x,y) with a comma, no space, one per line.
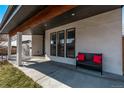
(73,14)
(45,25)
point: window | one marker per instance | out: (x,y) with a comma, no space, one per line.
(61,42)
(53,44)
(70,43)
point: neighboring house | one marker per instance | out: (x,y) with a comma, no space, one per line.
(60,32)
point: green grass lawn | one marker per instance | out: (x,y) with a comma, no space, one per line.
(11,77)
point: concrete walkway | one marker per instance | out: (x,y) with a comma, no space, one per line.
(57,75)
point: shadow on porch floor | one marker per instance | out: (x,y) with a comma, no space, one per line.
(54,74)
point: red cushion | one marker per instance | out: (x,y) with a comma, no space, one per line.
(97,59)
(80,57)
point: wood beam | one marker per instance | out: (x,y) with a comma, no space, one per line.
(42,17)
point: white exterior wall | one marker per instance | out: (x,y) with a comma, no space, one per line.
(37,44)
(100,34)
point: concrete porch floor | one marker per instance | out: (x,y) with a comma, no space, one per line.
(58,75)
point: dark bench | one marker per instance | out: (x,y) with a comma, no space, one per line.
(89,61)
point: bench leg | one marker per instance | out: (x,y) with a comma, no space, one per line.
(101,72)
(76,66)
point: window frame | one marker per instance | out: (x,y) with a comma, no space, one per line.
(67,30)
(50,44)
(58,42)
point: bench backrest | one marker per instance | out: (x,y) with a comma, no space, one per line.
(92,57)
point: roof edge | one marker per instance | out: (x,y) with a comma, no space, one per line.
(8,13)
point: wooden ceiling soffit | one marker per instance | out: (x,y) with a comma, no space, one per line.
(42,17)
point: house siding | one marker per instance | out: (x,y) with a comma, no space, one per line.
(98,34)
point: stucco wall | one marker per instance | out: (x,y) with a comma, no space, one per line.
(37,45)
(100,34)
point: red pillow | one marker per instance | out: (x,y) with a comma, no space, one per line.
(81,57)
(97,59)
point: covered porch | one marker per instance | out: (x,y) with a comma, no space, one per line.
(51,74)
(96,29)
